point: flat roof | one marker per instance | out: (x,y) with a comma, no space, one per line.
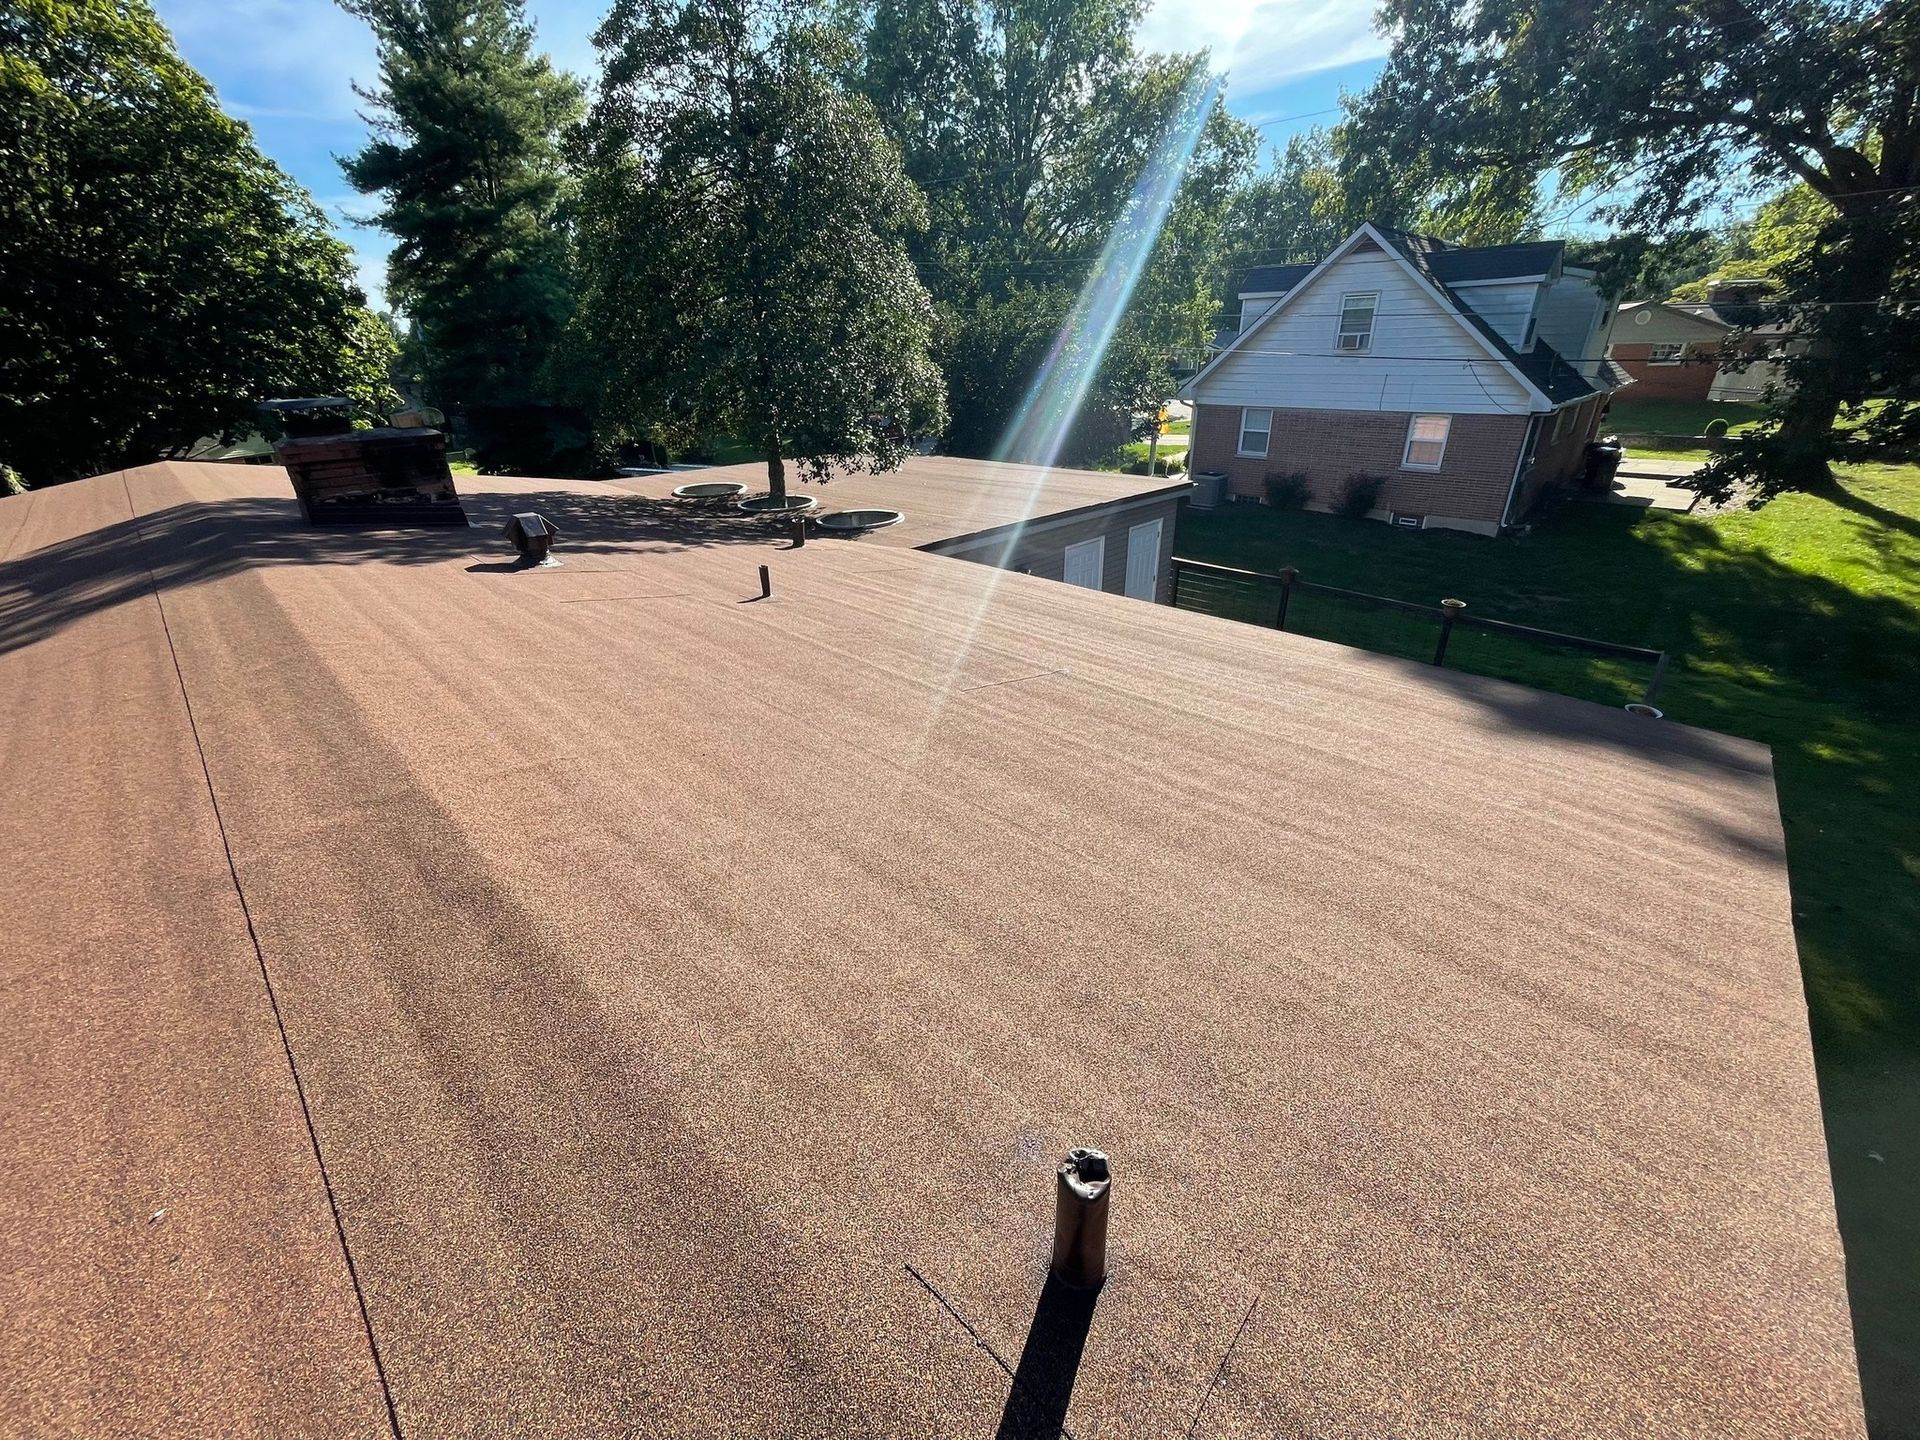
(690,996)
(944,499)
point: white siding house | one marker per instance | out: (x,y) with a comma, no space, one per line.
(1458,385)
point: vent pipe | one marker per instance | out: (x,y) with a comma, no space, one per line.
(1082,1185)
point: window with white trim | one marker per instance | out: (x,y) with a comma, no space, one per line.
(1256,429)
(1665,354)
(1356,321)
(1426,442)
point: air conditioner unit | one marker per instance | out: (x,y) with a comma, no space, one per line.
(1353,342)
(1209,490)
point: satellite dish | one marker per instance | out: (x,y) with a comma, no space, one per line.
(1643,317)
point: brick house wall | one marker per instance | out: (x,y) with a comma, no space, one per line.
(1689,380)
(1327,446)
(1041,549)
(1558,462)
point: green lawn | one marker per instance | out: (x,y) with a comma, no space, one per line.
(1797,625)
(1690,417)
(1677,417)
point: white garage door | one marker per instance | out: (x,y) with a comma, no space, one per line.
(1143,560)
(1087,562)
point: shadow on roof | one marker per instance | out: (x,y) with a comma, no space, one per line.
(1049,1365)
(43,590)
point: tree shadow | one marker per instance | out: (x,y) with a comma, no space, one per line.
(43,590)
(1879,515)
(1043,1381)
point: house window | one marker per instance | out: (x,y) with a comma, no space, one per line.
(1664,354)
(1356,321)
(1426,442)
(1256,428)
(1559,426)
(1533,327)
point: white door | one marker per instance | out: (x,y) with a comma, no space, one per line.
(1143,560)
(1087,562)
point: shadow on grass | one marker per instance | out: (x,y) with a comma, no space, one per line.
(1826,674)
(43,590)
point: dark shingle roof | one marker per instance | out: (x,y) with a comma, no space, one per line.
(1268,279)
(1494,262)
(1543,365)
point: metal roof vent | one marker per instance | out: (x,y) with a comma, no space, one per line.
(533,535)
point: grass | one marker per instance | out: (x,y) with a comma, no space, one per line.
(1690,417)
(1797,625)
(1678,417)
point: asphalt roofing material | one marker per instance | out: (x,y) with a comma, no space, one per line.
(942,499)
(690,995)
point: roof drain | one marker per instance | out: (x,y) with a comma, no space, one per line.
(1082,1185)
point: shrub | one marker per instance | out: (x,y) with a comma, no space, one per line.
(1360,495)
(1716,427)
(1287,490)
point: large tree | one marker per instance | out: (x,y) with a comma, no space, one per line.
(1030,125)
(744,230)
(1679,105)
(161,276)
(468,125)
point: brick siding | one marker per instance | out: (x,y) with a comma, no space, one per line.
(1689,380)
(1558,463)
(1330,445)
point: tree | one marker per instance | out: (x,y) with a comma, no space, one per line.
(466,156)
(744,234)
(1781,230)
(1680,104)
(1030,125)
(162,276)
(1294,212)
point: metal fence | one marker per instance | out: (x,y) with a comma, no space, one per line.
(1265,599)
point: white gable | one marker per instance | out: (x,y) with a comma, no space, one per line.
(1422,357)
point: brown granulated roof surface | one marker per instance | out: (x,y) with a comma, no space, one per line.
(691,994)
(942,498)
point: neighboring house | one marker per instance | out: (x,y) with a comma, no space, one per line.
(1686,350)
(1468,380)
(1671,352)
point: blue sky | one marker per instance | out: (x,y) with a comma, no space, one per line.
(287,67)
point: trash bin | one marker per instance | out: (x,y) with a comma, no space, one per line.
(1603,462)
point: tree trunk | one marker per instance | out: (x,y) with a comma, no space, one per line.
(776,471)
(1854,277)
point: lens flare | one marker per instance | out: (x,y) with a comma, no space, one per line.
(1039,430)
(1040,427)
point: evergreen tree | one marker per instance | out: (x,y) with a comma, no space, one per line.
(162,277)
(466,156)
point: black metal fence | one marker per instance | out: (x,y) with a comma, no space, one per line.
(1266,599)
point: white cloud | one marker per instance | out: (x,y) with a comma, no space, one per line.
(1264,43)
(275,59)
